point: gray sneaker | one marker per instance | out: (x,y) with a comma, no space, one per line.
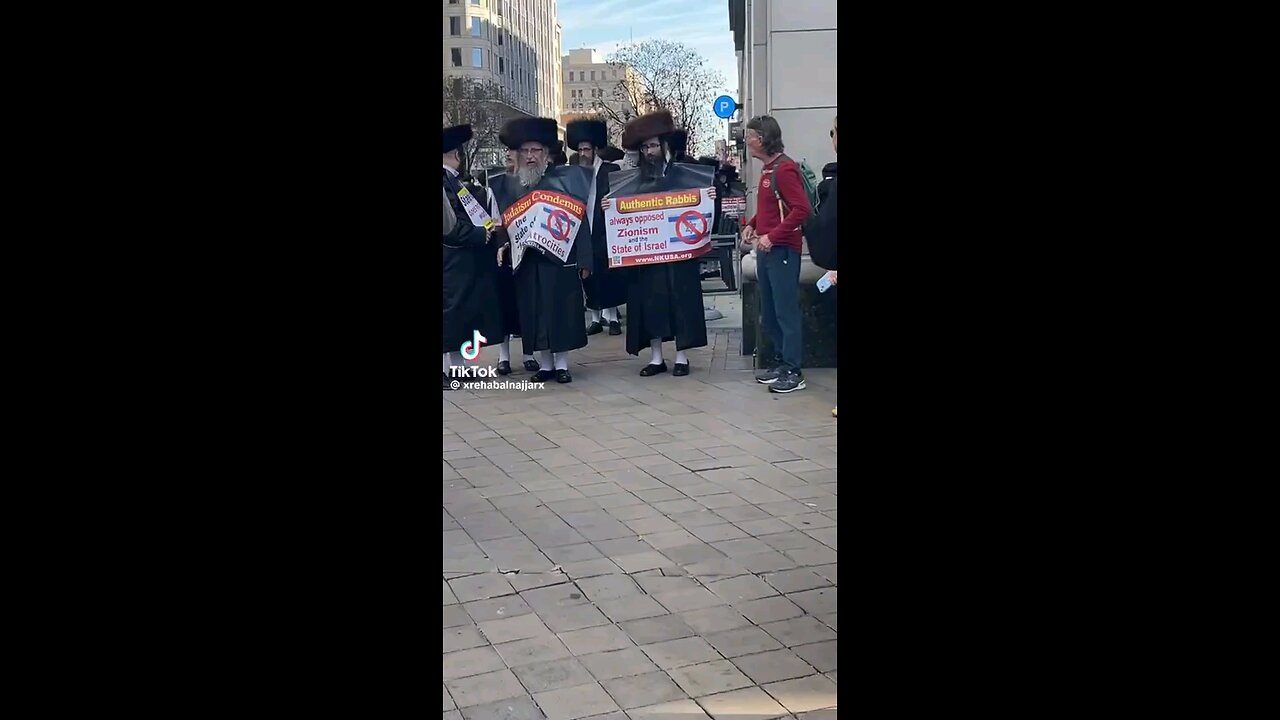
(767,377)
(790,382)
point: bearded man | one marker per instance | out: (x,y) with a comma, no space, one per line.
(606,289)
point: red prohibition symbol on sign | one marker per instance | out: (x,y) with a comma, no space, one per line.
(685,223)
(558,225)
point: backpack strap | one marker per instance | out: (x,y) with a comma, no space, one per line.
(782,206)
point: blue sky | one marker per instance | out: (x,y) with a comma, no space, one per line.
(605,24)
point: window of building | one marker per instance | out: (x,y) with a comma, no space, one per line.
(475,27)
(455,55)
(502,65)
(593,74)
(501,4)
(477,57)
(499,37)
(453,2)
(475,2)
(455,26)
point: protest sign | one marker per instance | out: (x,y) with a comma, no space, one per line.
(545,220)
(660,227)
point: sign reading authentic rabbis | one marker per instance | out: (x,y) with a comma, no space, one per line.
(659,227)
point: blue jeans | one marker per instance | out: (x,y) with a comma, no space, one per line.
(779,274)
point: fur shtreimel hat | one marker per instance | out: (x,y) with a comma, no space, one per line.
(519,131)
(708,160)
(655,124)
(557,154)
(678,142)
(455,136)
(595,132)
(611,154)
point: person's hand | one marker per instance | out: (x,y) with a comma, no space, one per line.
(606,203)
(748,233)
(584,273)
(763,243)
(832,275)
(711,193)
(501,249)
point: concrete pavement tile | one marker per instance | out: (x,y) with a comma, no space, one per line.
(798,580)
(618,663)
(482,611)
(717,533)
(826,536)
(481,587)
(821,656)
(811,557)
(651,630)
(787,508)
(676,507)
(769,610)
(678,710)
(642,561)
(690,599)
(452,715)
(743,588)
(799,631)
(827,714)
(630,512)
(618,500)
(552,675)
(701,517)
(746,704)
(720,568)
(533,650)
(658,584)
(816,602)
(617,547)
(773,666)
(767,526)
(455,615)
(666,540)
(463,637)
(789,540)
(573,618)
(638,690)
(709,678)
(809,521)
(466,663)
(590,568)
(657,495)
(742,641)
(722,501)
(652,526)
(828,572)
(633,607)
(526,581)
(745,513)
(516,628)
(694,551)
(679,653)
(449,597)
(829,621)
(741,548)
(595,640)
(554,597)
(572,553)
(608,587)
(448,701)
(714,619)
(572,703)
(767,562)
(805,694)
(511,709)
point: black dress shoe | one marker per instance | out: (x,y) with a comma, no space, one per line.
(615,328)
(504,367)
(651,370)
(532,366)
(563,376)
(680,370)
(542,376)
(594,329)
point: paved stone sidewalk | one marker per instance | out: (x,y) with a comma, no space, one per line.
(644,548)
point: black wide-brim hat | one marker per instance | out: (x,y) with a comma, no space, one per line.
(611,154)
(519,131)
(455,136)
(595,132)
(655,124)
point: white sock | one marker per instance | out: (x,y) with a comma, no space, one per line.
(595,316)
(447,364)
(611,314)
(656,346)
(681,358)
(562,360)
(504,350)
(545,359)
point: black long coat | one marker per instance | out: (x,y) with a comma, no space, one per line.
(467,278)
(605,288)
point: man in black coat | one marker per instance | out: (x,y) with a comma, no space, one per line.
(548,290)
(664,301)
(470,296)
(606,289)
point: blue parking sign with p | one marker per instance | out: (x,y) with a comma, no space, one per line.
(725,107)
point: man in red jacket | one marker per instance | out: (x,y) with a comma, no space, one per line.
(782,206)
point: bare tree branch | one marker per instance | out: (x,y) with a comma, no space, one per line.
(482,105)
